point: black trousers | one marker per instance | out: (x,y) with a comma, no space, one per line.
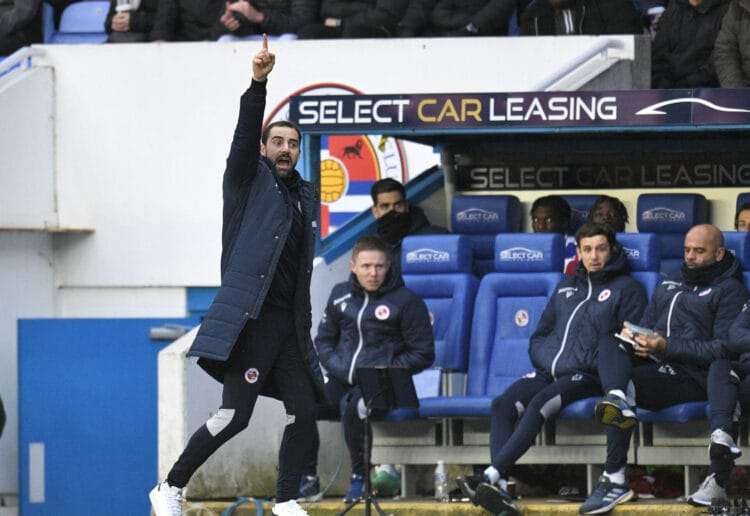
(342,406)
(530,402)
(655,385)
(266,351)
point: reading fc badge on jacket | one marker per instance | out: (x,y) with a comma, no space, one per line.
(382,312)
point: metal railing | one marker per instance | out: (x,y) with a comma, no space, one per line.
(582,68)
(19,60)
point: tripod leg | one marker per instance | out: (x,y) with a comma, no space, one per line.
(375,503)
(350,507)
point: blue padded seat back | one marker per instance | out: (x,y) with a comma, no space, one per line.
(670,216)
(529,252)
(580,205)
(742,199)
(482,217)
(507,310)
(644,257)
(739,243)
(86,16)
(438,269)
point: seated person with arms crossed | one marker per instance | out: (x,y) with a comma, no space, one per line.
(690,316)
(370,320)
(586,309)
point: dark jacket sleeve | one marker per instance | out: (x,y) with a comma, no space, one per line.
(165,21)
(416,20)
(242,162)
(326,342)
(142,20)
(545,327)
(632,306)
(537,20)
(661,49)
(416,331)
(739,332)
(343,8)
(702,352)
(620,17)
(727,56)
(18,17)
(303,12)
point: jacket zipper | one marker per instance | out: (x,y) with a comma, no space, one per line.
(567,329)
(361,342)
(669,316)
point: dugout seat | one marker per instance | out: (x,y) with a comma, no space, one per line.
(508,306)
(481,217)
(438,269)
(579,209)
(82,22)
(742,199)
(670,216)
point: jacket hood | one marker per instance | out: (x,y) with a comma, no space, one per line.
(706,5)
(392,282)
(616,265)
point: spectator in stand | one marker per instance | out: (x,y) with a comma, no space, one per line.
(593,17)
(416,20)
(732,47)
(273,17)
(20,24)
(471,17)
(681,52)
(130,22)
(611,211)
(359,19)
(551,214)
(742,218)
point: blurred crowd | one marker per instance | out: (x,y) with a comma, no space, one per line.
(696,43)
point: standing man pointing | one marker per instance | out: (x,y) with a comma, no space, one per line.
(255,338)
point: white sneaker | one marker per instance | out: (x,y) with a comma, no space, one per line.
(166,500)
(709,490)
(290,508)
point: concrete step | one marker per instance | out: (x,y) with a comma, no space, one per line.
(421,507)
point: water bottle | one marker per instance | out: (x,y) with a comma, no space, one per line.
(441,482)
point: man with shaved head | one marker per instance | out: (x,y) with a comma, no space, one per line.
(684,329)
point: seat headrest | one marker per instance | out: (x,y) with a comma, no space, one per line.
(643,250)
(485,214)
(432,254)
(529,252)
(742,199)
(580,205)
(739,243)
(671,213)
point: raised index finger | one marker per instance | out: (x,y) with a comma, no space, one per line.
(265,42)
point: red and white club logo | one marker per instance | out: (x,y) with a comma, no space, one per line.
(382,312)
(604,294)
(522,318)
(251,375)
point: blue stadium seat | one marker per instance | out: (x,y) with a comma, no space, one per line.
(670,216)
(481,217)
(579,209)
(83,22)
(739,243)
(438,269)
(742,199)
(682,413)
(508,307)
(644,257)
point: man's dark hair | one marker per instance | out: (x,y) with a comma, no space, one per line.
(370,243)
(591,229)
(745,206)
(279,123)
(558,205)
(384,186)
(620,209)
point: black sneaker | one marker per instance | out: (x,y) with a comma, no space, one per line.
(606,495)
(468,485)
(494,499)
(613,410)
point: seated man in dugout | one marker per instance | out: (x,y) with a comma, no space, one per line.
(611,211)
(742,218)
(665,359)
(586,308)
(551,214)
